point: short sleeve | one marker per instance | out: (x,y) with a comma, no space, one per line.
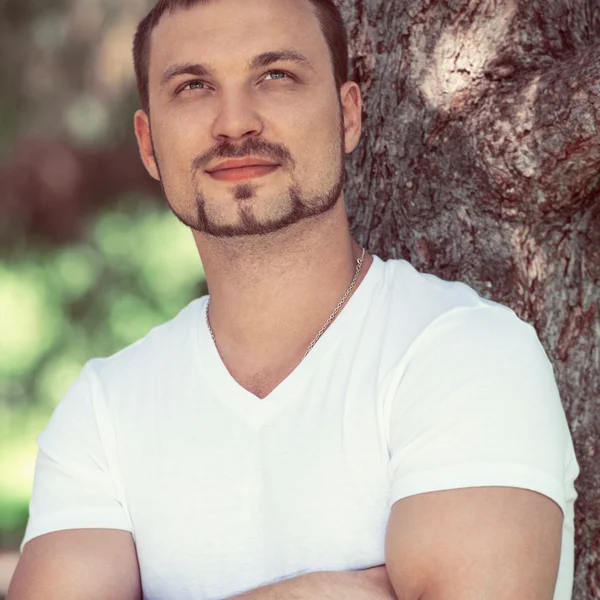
(74,483)
(476,404)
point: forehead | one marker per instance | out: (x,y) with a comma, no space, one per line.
(228,32)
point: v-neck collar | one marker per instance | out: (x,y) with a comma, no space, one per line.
(256,411)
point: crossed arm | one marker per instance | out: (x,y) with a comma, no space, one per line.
(489,543)
(370,584)
(101,564)
(471,544)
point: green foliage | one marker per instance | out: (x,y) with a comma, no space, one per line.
(60,307)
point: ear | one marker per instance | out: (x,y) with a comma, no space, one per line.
(352,112)
(142,133)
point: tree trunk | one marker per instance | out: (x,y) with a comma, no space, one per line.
(480,162)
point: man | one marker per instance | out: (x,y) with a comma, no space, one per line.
(329,425)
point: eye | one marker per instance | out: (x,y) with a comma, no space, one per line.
(284,73)
(198,84)
(191,85)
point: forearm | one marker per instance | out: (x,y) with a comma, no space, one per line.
(370,584)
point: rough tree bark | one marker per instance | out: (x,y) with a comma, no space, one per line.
(480,162)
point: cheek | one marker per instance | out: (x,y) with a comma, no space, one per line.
(325,140)
(178,141)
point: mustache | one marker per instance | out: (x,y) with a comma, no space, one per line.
(252,147)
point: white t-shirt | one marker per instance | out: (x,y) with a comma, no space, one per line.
(418,385)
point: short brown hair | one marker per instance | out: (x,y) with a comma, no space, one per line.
(330,18)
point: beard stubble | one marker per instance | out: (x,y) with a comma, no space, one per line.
(300,207)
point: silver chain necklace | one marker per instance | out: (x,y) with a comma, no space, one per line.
(359,263)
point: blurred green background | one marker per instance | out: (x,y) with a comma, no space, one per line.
(91,258)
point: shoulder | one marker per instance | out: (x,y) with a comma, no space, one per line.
(422,309)
(162,344)
(165,350)
(431,294)
(130,376)
(475,376)
(449,328)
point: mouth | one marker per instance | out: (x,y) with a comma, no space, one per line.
(240,173)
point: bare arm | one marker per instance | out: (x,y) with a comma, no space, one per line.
(489,543)
(95,564)
(102,564)
(370,584)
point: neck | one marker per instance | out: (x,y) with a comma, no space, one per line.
(270,295)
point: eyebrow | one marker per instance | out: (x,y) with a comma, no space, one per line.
(260,61)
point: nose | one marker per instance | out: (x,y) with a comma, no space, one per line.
(237,118)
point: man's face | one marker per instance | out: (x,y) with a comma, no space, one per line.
(285,112)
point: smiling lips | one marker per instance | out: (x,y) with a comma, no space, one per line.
(246,168)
